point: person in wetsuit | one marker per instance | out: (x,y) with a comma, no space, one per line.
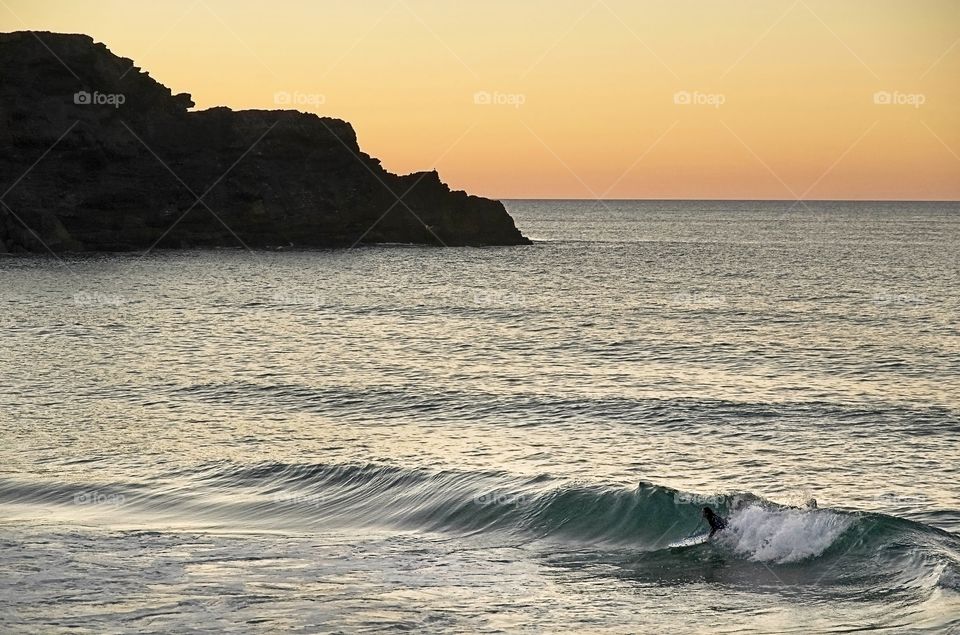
(717,522)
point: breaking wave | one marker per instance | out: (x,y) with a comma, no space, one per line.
(641,521)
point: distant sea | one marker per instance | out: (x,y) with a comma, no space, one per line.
(402,438)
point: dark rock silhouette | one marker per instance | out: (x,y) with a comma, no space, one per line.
(120,163)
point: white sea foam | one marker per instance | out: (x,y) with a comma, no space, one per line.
(782,535)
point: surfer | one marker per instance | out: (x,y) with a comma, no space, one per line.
(717,522)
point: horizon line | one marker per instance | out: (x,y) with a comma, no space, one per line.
(736,200)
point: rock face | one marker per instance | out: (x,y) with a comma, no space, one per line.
(118,164)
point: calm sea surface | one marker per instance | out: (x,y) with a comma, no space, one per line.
(494,440)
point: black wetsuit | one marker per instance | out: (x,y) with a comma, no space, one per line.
(716,523)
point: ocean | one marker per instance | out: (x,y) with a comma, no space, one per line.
(494,440)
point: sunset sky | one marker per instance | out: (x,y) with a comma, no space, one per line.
(587,97)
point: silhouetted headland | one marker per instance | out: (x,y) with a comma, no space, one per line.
(98,156)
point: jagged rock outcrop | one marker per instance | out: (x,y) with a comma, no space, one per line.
(118,163)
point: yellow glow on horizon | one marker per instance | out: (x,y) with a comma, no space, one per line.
(597,83)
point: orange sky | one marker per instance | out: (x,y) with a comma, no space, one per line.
(584,93)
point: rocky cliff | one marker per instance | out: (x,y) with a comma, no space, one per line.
(96,155)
